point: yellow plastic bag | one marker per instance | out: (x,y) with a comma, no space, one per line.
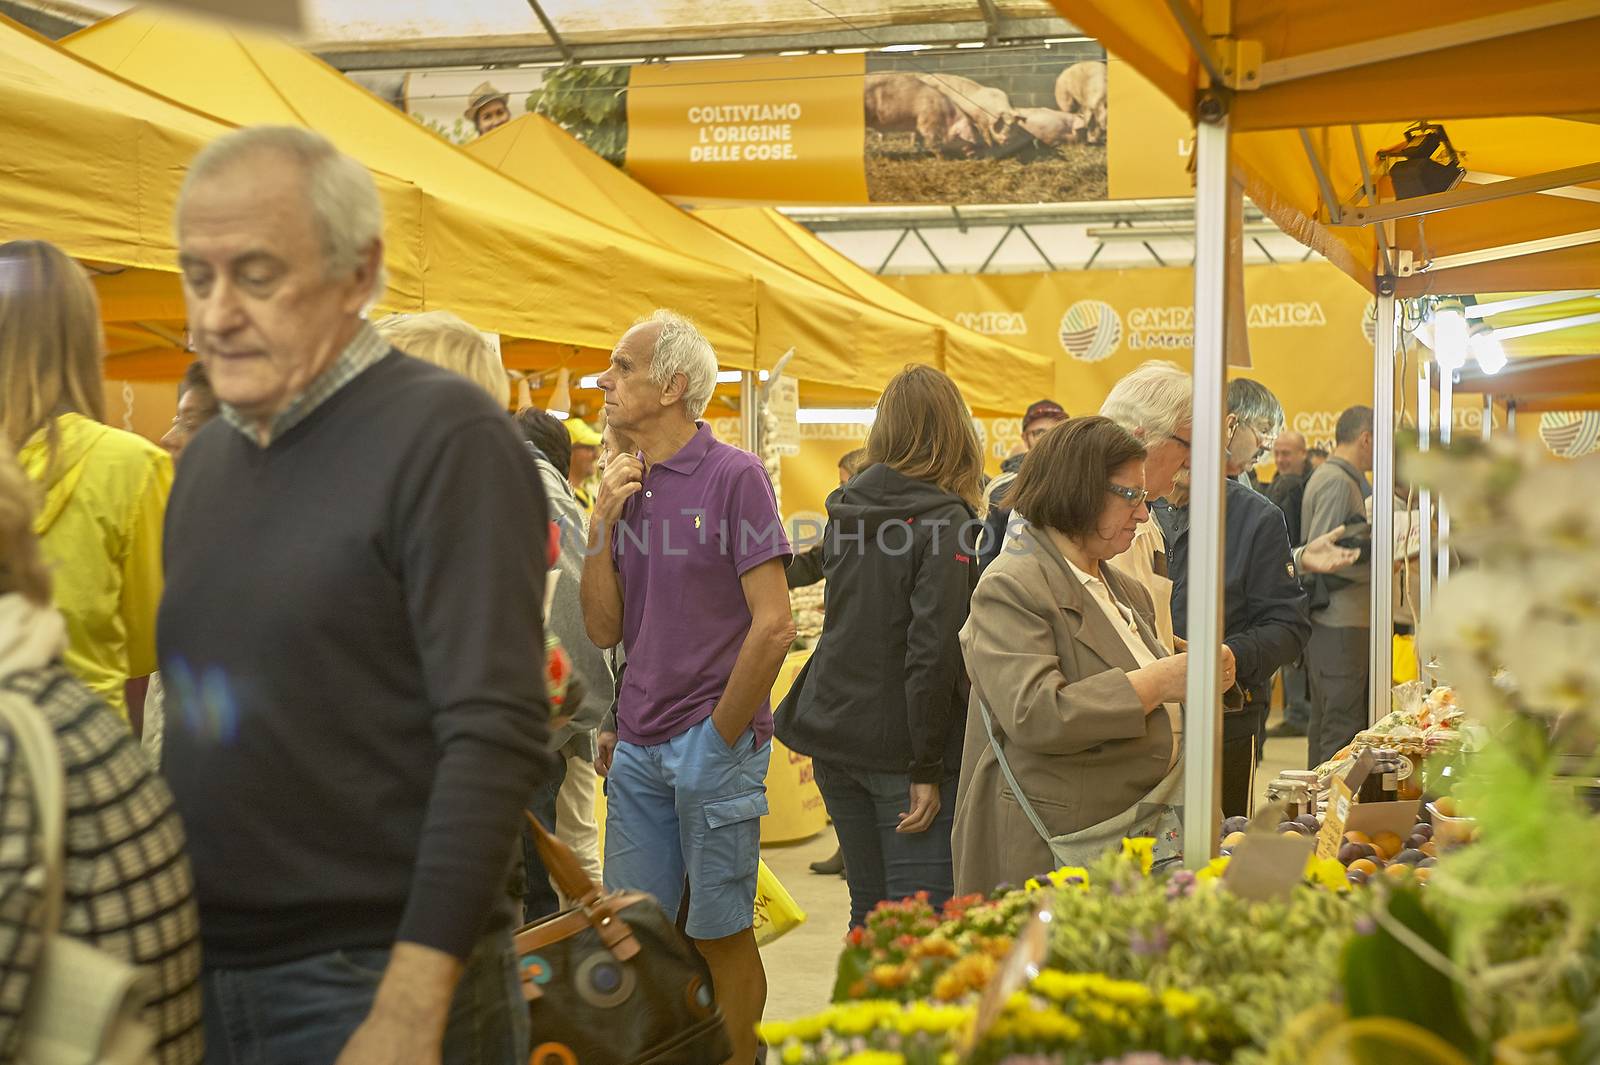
(776,910)
(1405,659)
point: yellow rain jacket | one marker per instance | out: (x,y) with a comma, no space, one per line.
(104,497)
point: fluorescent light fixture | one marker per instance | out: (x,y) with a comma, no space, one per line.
(905,48)
(699,58)
(971,44)
(1449,334)
(836,415)
(1487,349)
(1065,40)
(559,415)
(850,51)
(724,377)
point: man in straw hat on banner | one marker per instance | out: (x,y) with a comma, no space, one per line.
(490,108)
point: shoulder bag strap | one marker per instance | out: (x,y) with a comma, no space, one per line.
(36,742)
(1011,778)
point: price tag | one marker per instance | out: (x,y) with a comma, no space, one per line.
(1333,819)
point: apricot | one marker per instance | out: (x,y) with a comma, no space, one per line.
(1364,866)
(1388,844)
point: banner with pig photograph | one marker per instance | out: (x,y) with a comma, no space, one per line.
(971,126)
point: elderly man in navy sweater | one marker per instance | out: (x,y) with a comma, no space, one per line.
(350,639)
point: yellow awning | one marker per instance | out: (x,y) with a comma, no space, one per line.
(1482,66)
(1301,64)
(847,328)
(508,259)
(93,164)
(993,376)
(837,339)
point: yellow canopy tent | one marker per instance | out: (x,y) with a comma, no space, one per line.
(848,347)
(851,333)
(505,257)
(93,165)
(1313,91)
(991,375)
(1274,87)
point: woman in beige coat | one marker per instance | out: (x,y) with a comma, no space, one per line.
(1068,675)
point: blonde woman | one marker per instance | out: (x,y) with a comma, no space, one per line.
(880,706)
(103,492)
(445,340)
(127,885)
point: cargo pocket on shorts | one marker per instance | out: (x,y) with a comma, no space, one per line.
(732,840)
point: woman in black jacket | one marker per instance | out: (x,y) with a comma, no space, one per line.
(881,705)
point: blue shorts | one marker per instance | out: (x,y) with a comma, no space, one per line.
(689,806)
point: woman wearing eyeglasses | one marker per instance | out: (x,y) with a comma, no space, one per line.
(1073,736)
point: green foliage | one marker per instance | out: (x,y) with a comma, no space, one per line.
(1385,977)
(458,133)
(591,103)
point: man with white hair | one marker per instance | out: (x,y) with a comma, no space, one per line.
(686,571)
(355,568)
(1155,404)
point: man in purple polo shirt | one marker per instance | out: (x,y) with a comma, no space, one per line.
(686,570)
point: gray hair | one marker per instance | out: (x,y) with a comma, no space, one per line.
(1253,403)
(342,196)
(681,348)
(445,340)
(1152,402)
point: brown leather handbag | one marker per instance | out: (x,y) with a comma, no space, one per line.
(612,981)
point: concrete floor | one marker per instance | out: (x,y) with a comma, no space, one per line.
(801,965)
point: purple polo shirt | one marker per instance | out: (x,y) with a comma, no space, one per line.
(704,518)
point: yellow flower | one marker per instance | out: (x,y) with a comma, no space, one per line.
(774,1032)
(1179,1004)
(793,1054)
(1328,873)
(1032,884)
(1144,849)
(1060,877)
(1214,870)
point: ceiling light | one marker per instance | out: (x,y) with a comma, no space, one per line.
(1449,334)
(836,415)
(1486,348)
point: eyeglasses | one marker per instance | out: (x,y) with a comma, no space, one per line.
(1133,495)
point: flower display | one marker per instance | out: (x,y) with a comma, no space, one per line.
(1063,1018)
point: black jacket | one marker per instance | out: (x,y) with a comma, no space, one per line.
(884,689)
(997,520)
(1264,617)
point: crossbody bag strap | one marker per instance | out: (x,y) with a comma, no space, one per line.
(36,742)
(1011,778)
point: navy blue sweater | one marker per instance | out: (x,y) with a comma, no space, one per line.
(352,651)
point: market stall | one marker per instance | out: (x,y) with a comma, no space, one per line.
(1271,87)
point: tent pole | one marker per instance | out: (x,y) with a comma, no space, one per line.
(1488,416)
(1447,382)
(1511,416)
(749,416)
(1380,675)
(1425,498)
(1202,733)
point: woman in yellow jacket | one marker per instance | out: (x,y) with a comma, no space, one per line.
(102,492)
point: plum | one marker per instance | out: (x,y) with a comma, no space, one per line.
(1235,824)
(1295,827)
(1310,821)
(1410,856)
(1423,829)
(1356,876)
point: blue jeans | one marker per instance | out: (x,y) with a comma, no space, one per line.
(539,899)
(880,863)
(303,1012)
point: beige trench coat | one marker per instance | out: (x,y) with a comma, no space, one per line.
(1054,673)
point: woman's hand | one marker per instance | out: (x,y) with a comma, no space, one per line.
(1162,681)
(924,808)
